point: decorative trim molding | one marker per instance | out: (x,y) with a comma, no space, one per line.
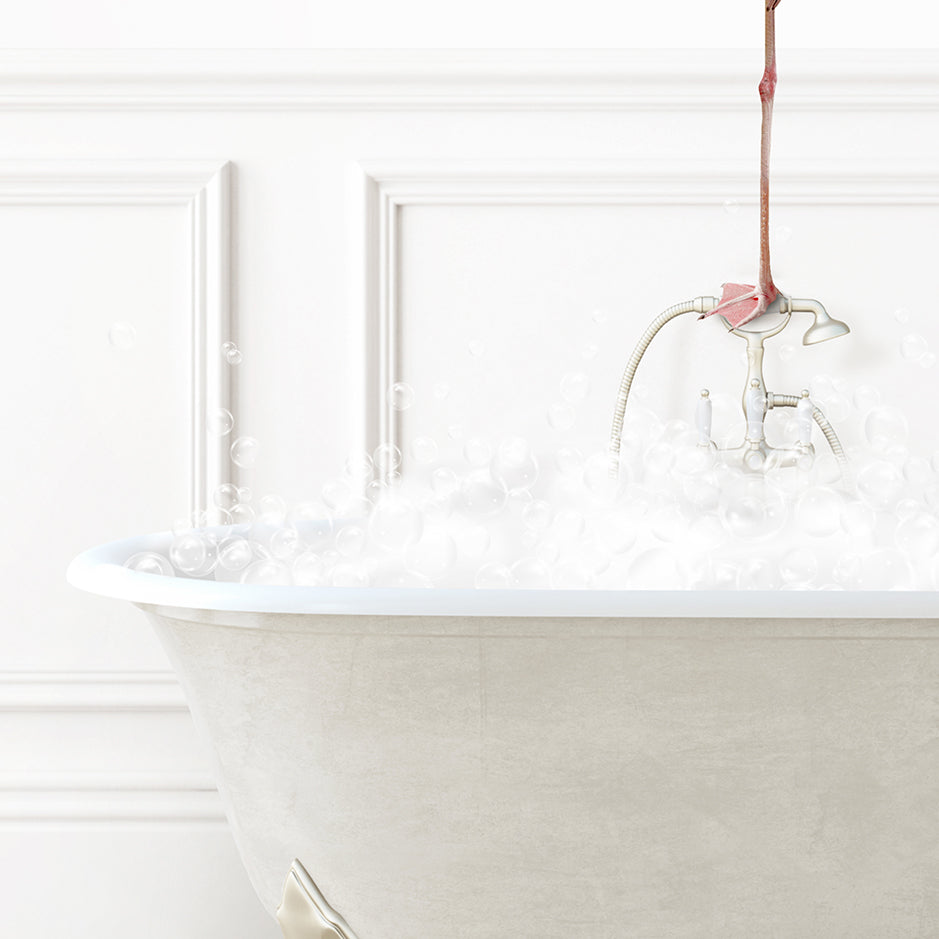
(390,186)
(79,691)
(712,80)
(203,188)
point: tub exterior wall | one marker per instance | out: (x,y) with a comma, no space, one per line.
(103,772)
(468,779)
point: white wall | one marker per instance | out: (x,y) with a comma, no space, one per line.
(520,193)
(492,24)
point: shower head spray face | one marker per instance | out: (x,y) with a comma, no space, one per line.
(824,327)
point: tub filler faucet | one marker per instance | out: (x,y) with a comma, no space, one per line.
(754,454)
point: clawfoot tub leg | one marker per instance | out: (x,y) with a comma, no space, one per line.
(304,913)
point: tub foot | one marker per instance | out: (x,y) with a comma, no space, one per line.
(304,913)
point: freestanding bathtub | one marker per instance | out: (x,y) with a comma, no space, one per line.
(548,765)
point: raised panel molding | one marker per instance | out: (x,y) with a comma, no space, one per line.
(713,80)
(203,189)
(388,187)
(80,797)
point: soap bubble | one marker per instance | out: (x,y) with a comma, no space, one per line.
(530,574)
(570,461)
(917,471)
(358,466)
(191,553)
(122,336)
(599,316)
(441,390)
(493,576)
(885,569)
(267,573)
(752,509)
(337,496)
(424,450)
(799,568)
(395,523)
(231,353)
(386,458)
(473,541)
(226,496)
(568,526)
(272,510)
(858,519)
(444,482)
(597,479)
(913,347)
(575,386)
(352,575)
(313,523)
(477,451)
(309,570)
(350,541)
(514,464)
(918,535)
(656,569)
(244,452)
(759,573)
(880,484)
(561,416)
(220,422)
(434,555)
(786,352)
(928,360)
(401,396)
(731,206)
(285,543)
(241,513)
(818,512)
(782,233)
(537,515)
(589,351)
(866,398)
(902,315)
(149,562)
(482,495)
(477,347)
(885,427)
(235,554)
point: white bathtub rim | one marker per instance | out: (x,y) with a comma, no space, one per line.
(100,571)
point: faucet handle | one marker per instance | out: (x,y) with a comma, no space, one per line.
(756,411)
(703,415)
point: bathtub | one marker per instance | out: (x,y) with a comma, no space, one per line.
(449,764)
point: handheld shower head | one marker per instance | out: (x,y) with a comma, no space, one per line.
(824,327)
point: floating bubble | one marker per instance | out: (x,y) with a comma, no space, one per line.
(149,562)
(272,510)
(455,431)
(477,347)
(570,461)
(354,575)
(122,336)
(267,573)
(192,554)
(226,496)
(514,464)
(441,391)
(386,458)
(858,519)
(885,427)
(286,543)
(799,568)
(866,398)
(575,386)
(220,422)
(561,416)
(885,569)
(444,482)
(477,451)
(244,452)
(359,466)
(901,315)
(482,496)
(235,554)
(752,509)
(918,536)
(241,513)
(424,450)
(434,555)
(656,569)
(530,574)
(350,541)
(589,351)
(880,484)
(782,233)
(309,570)
(493,576)
(537,515)
(786,352)
(599,316)
(731,206)
(928,360)
(759,573)
(913,347)
(401,396)
(818,512)
(231,353)
(395,523)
